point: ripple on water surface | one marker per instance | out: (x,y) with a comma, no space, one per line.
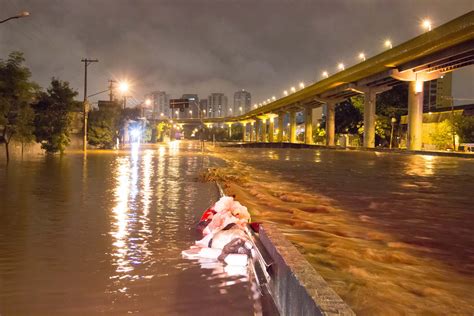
(392,234)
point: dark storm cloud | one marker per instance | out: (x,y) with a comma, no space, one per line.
(208,46)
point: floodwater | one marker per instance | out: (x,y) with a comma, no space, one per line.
(393,234)
(103,234)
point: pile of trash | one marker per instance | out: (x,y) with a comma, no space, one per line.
(225,234)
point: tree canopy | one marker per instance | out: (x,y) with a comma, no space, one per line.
(17,91)
(52,116)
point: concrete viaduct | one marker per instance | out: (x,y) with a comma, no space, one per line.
(426,57)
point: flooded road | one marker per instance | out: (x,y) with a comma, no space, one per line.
(392,234)
(103,234)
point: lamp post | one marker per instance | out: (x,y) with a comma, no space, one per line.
(23,14)
(123,87)
(85,105)
(393,121)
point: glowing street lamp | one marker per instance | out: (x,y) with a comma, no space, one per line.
(162,114)
(273,98)
(285,93)
(293,90)
(148,102)
(340,66)
(426,24)
(362,56)
(123,87)
(388,44)
(255,105)
(268,100)
(240,108)
(301,85)
(325,74)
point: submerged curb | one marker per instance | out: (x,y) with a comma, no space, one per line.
(296,287)
(379,150)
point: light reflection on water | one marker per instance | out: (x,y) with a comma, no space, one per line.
(103,233)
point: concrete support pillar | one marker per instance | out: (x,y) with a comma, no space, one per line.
(280,127)
(244,131)
(330,123)
(415,115)
(308,125)
(293,127)
(229,125)
(252,132)
(271,130)
(369,120)
(263,130)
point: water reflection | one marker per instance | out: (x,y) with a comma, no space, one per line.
(120,213)
(421,165)
(114,247)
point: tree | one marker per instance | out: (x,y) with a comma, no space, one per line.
(464,128)
(441,135)
(16,94)
(394,102)
(319,134)
(348,117)
(52,119)
(162,129)
(25,126)
(103,127)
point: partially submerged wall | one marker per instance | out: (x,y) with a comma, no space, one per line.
(296,287)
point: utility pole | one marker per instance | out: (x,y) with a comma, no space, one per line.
(86,62)
(111,89)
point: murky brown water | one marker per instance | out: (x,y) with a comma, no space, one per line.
(102,234)
(392,234)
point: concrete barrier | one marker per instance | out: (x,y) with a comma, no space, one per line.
(295,286)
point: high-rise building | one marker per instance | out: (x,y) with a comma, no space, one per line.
(193,109)
(438,93)
(203,107)
(217,105)
(160,105)
(242,102)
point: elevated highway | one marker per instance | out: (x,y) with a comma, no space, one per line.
(423,58)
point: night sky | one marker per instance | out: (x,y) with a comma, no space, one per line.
(212,46)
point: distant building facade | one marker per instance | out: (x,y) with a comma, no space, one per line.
(438,93)
(217,105)
(203,107)
(160,105)
(242,103)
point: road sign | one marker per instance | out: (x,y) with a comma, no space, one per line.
(180,104)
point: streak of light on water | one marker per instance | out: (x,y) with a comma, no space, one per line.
(102,233)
